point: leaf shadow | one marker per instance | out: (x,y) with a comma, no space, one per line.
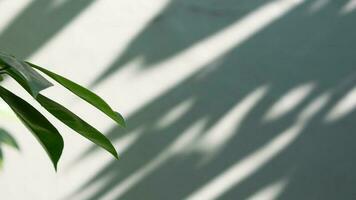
(40,21)
(300,48)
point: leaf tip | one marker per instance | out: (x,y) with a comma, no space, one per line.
(120,119)
(55,165)
(113,152)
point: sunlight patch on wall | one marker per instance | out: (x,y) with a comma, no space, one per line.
(318,5)
(126,141)
(271,191)
(349,7)
(6,113)
(227,127)
(289,101)
(57,3)
(342,108)
(313,108)
(175,113)
(234,35)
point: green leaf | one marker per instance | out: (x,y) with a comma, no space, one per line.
(85,94)
(6,138)
(76,123)
(27,77)
(1,158)
(41,128)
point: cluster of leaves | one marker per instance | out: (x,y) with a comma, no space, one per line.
(26,75)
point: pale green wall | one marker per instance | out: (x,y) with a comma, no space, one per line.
(230,99)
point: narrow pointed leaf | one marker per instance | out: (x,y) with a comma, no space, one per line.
(85,94)
(6,138)
(23,73)
(76,123)
(41,128)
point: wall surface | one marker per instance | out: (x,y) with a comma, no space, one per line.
(224,99)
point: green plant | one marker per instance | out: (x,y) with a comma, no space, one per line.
(26,75)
